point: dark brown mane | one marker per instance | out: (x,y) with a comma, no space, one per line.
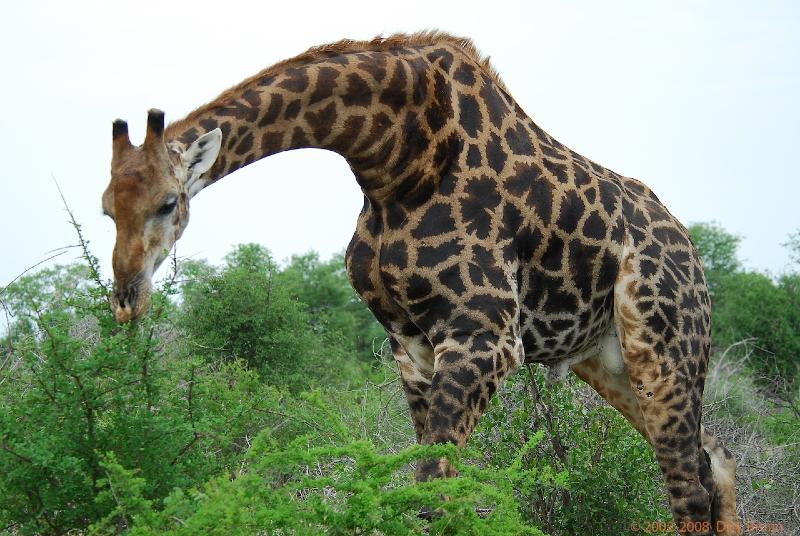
(344,46)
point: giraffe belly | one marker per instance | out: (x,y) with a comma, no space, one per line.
(606,349)
(565,338)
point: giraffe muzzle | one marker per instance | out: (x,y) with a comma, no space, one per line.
(131,301)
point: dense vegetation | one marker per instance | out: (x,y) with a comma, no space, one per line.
(257,398)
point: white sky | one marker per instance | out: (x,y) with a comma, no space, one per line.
(697,99)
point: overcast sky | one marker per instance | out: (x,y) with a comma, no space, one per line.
(697,99)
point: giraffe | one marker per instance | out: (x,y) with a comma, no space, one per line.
(483,243)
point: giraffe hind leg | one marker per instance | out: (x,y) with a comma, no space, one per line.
(666,363)
(723,472)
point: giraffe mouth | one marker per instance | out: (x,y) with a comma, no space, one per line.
(130,301)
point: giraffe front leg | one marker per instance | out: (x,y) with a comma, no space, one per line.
(468,370)
(414,358)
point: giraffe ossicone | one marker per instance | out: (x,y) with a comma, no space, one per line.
(483,242)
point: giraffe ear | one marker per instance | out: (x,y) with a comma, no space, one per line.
(199,158)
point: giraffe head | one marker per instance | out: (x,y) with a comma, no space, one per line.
(148,199)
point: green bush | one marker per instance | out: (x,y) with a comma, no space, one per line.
(245,310)
(80,385)
(609,472)
(718,250)
(332,304)
(306,487)
(752,306)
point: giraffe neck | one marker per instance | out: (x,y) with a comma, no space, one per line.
(388,112)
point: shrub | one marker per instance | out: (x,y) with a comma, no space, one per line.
(751,306)
(609,471)
(244,311)
(82,385)
(309,487)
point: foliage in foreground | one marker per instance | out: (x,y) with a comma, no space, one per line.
(308,488)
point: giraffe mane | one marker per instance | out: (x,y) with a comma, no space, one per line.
(345,46)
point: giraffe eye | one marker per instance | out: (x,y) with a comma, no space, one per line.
(167,207)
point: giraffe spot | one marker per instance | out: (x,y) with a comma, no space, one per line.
(431,310)
(395,216)
(581,176)
(475,274)
(528,241)
(296,80)
(647,268)
(652,250)
(447,184)
(469,115)
(418,287)
(636,217)
(465,73)
(488,264)
(558,170)
(358,91)
(292,110)
(443,57)
(474,159)
(395,254)
(609,195)
(607,274)
(590,194)
(464,376)
(519,141)
(208,124)
(464,324)
(266,80)
(656,323)
(523,177)
(299,138)
(451,278)
(560,301)
(321,122)
(273,110)
(656,211)
(671,236)
(415,191)
(553,255)
(511,222)
(326,83)
(581,265)
(495,155)
(679,259)
(437,219)
(360,257)
(494,102)
(394,95)
(245,145)
(431,256)
(419,79)
(667,287)
(635,186)
(540,197)
(375,67)
(416,142)
(571,212)
(594,227)
(271,142)
(476,209)
(455,392)
(437,114)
